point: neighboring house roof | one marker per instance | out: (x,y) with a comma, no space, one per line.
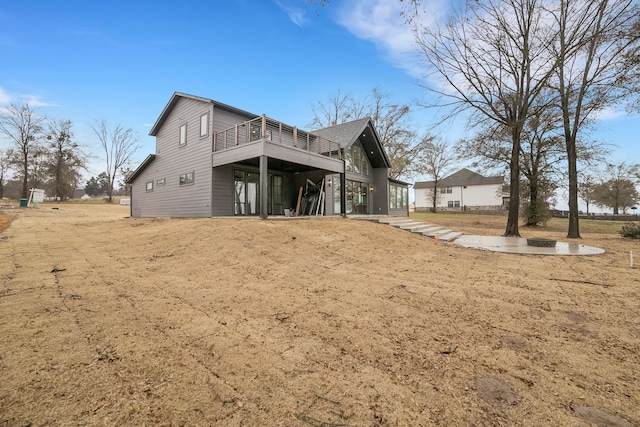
(346,134)
(177,95)
(146,162)
(397,181)
(461,178)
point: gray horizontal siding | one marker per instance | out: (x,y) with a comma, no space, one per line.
(173,160)
(222,191)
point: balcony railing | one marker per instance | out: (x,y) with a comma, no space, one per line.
(266,129)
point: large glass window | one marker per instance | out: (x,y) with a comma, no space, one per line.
(393,197)
(356,160)
(398,197)
(357,197)
(335,184)
(246,198)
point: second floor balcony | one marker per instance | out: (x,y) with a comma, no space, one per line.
(266,130)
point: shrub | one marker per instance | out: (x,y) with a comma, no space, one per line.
(631,229)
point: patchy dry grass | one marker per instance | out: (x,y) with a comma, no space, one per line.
(108,320)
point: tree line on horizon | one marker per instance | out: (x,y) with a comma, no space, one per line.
(45,154)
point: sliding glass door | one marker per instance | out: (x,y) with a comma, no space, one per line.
(247,193)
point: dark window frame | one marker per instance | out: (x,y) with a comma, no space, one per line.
(184,179)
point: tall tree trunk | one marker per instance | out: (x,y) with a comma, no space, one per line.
(435,197)
(514,191)
(574,226)
(533,216)
(25,178)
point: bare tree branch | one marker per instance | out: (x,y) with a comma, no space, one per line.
(119,145)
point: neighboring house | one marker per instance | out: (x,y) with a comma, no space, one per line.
(463,190)
(213,159)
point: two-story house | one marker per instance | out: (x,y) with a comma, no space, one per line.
(213,159)
(460,191)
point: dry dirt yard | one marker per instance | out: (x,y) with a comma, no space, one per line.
(107,320)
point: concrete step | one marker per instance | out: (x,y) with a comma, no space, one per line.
(436,232)
(400,224)
(428,230)
(419,227)
(394,221)
(450,236)
(414,225)
(423,228)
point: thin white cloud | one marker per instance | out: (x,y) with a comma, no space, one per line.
(297,15)
(36,101)
(610,113)
(33,100)
(5,98)
(382,23)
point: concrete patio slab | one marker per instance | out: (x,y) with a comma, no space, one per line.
(518,245)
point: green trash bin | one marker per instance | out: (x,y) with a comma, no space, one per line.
(23,203)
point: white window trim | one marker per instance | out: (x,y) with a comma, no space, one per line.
(182,142)
(204,125)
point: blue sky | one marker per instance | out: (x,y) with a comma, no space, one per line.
(122,60)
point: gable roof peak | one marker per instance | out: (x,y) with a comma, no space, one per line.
(174,100)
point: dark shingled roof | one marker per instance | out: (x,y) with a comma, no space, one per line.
(461,178)
(346,134)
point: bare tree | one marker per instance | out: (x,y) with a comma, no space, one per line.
(119,145)
(65,158)
(436,163)
(339,108)
(23,126)
(4,168)
(392,122)
(595,39)
(493,62)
